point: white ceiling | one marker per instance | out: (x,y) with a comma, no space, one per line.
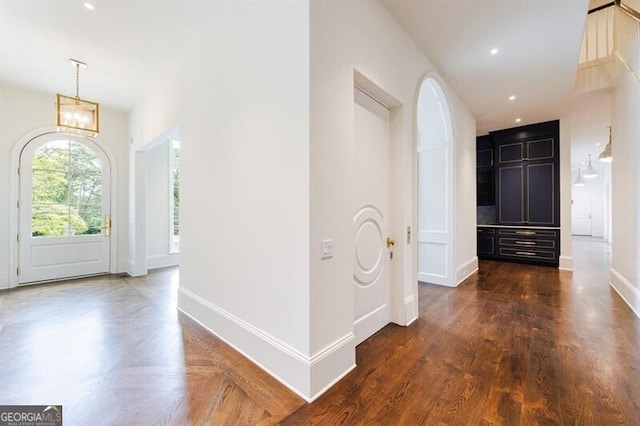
(126,42)
(538,41)
(123,43)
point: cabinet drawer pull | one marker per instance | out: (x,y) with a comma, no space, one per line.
(525,253)
(526,232)
(526,243)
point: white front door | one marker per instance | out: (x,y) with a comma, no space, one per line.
(371,217)
(581,211)
(64,209)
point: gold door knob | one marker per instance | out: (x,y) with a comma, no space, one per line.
(390,242)
(107,225)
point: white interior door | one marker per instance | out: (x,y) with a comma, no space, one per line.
(371,216)
(64,209)
(581,223)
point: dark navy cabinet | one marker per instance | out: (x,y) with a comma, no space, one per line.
(518,173)
(527,175)
(485,171)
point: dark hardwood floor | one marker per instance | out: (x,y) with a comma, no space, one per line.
(515,344)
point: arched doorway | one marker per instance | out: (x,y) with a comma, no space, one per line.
(64,208)
(435,185)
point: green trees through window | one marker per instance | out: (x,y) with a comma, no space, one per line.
(66,190)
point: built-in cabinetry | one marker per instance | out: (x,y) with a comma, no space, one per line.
(527,245)
(485,172)
(518,180)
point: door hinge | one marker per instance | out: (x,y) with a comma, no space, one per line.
(18,204)
(18,171)
(18,270)
(18,238)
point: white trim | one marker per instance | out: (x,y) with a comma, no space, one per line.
(335,360)
(626,290)
(467,269)
(566,263)
(14,182)
(306,376)
(163,261)
(4,280)
(410,310)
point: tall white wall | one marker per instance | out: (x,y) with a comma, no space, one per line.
(363,37)
(625,185)
(240,95)
(23,111)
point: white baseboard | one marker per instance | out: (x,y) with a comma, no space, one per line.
(307,376)
(123,266)
(467,269)
(565,263)
(434,279)
(163,261)
(410,310)
(626,290)
(4,280)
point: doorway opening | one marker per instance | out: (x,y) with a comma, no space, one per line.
(435,236)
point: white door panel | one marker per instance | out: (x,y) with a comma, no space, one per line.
(370,221)
(581,211)
(63,234)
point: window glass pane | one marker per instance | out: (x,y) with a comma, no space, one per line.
(91,216)
(49,186)
(52,156)
(50,220)
(85,181)
(67,190)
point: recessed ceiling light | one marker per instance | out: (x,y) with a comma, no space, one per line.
(597,143)
(518,120)
(512,97)
(494,51)
(89,6)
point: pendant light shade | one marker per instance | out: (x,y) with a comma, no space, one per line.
(579,180)
(77,115)
(590,172)
(605,156)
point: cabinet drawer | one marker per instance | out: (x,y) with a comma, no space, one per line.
(486,231)
(532,233)
(528,243)
(526,253)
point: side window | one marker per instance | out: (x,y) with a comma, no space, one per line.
(174,196)
(66,190)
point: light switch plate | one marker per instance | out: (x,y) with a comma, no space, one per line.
(326,249)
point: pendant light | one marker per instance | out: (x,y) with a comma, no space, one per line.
(605,156)
(579,181)
(74,114)
(590,172)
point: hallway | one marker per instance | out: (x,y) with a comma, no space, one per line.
(515,344)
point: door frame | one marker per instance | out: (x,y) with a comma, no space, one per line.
(14,189)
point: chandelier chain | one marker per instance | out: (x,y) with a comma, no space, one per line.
(77,81)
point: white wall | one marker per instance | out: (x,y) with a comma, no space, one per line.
(23,111)
(158,199)
(362,36)
(625,184)
(264,102)
(240,95)
(466,260)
